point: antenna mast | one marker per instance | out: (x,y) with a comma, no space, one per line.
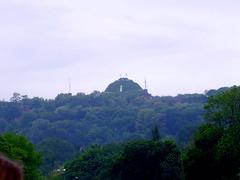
(145,84)
(69,85)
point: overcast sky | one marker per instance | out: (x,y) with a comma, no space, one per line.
(182,46)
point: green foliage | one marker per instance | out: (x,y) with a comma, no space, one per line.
(55,152)
(127,86)
(207,136)
(148,160)
(228,153)
(214,92)
(69,123)
(20,149)
(224,109)
(99,118)
(215,153)
(199,160)
(155,133)
(92,163)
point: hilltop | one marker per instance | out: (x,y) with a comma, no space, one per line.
(76,121)
(123,85)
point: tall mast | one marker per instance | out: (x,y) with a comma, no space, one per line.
(69,86)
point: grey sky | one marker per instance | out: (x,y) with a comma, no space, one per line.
(178,46)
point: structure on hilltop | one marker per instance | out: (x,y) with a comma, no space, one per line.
(124,85)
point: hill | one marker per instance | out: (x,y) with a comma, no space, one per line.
(73,122)
(123,85)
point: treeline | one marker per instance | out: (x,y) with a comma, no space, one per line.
(213,154)
(61,127)
(142,159)
(23,152)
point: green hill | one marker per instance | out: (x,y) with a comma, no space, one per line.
(74,122)
(124,85)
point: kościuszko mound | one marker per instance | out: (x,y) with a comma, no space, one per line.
(123,85)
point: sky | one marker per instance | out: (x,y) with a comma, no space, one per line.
(179,47)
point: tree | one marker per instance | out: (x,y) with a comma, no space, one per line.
(224,108)
(20,149)
(94,163)
(199,159)
(100,118)
(215,153)
(16,97)
(155,133)
(228,153)
(148,160)
(55,151)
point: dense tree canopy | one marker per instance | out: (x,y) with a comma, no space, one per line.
(142,159)
(100,118)
(215,153)
(21,150)
(94,162)
(148,160)
(134,124)
(224,109)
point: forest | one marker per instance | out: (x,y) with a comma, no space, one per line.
(124,133)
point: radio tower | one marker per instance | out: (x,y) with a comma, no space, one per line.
(145,88)
(145,84)
(69,86)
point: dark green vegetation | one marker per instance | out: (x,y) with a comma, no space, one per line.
(94,162)
(140,159)
(148,160)
(74,122)
(124,85)
(128,129)
(21,150)
(215,153)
